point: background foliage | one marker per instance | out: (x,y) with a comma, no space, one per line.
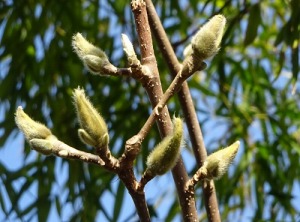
(249,93)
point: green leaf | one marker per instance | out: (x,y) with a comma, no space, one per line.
(253,24)
(295,60)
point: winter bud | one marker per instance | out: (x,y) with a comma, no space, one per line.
(216,164)
(207,40)
(44,146)
(30,128)
(165,155)
(93,57)
(94,130)
(129,50)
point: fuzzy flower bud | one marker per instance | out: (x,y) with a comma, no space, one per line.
(165,155)
(207,40)
(93,58)
(216,164)
(129,50)
(94,130)
(30,128)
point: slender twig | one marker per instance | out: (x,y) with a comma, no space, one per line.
(171,91)
(58,148)
(190,115)
(199,175)
(144,180)
(155,93)
(126,174)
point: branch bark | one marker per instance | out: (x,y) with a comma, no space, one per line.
(187,105)
(155,93)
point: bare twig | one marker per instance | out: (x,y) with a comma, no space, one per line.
(191,119)
(138,195)
(155,93)
(171,91)
(58,148)
(199,175)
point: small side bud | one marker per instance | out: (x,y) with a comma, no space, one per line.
(216,164)
(94,64)
(41,146)
(165,155)
(129,50)
(94,130)
(85,138)
(30,128)
(93,58)
(207,40)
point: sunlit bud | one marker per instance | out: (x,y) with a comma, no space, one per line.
(29,127)
(91,121)
(129,50)
(93,57)
(217,164)
(207,40)
(165,155)
(82,47)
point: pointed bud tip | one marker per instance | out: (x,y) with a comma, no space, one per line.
(31,129)
(218,162)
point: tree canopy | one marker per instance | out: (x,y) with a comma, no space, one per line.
(248,92)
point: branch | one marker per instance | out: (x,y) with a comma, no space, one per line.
(58,148)
(187,105)
(155,93)
(171,91)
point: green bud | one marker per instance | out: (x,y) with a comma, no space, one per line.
(207,40)
(94,130)
(129,50)
(93,58)
(41,145)
(30,128)
(82,47)
(217,164)
(165,155)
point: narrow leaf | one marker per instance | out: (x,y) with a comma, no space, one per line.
(253,24)
(118,201)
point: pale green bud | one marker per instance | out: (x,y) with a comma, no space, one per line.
(129,50)
(94,130)
(44,146)
(30,128)
(207,40)
(216,164)
(93,58)
(82,47)
(165,155)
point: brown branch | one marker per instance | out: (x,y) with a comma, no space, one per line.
(155,93)
(185,99)
(138,196)
(58,148)
(199,175)
(171,91)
